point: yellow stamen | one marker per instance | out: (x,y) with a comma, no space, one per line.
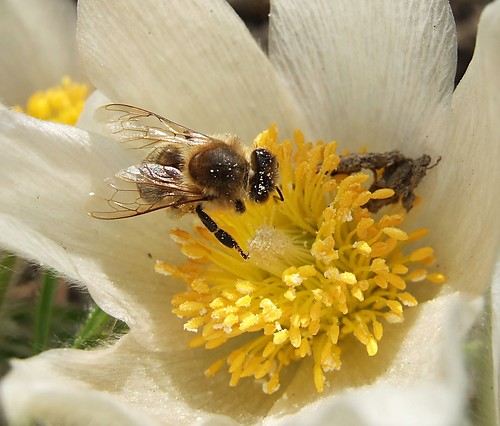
(321,268)
(62,103)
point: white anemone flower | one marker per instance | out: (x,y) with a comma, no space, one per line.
(376,74)
(38,45)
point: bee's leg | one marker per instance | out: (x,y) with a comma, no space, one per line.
(220,234)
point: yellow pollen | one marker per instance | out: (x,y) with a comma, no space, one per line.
(62,103)
(421,254)
(322,270)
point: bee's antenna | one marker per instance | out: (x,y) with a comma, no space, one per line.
(278,190)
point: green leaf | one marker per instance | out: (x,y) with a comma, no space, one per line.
(44,312)
(99,326)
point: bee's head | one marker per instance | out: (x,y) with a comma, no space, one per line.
(265,175)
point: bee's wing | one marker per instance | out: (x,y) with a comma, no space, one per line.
(154,174)
(145,129)
(146,188)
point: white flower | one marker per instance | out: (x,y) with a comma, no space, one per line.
(38,45)
(378,74)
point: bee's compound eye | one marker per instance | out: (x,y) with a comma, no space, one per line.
(265,169)
(259,194)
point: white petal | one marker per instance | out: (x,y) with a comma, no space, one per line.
(495,320)
(193,62)
(463,200)
(368,73)
(47,171)
(419,379)
(165,387)
(60,403)
(37,41)
(86,119)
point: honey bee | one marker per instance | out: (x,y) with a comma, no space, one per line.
(185,171)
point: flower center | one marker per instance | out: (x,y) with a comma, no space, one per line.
(62,103)
(321,268)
